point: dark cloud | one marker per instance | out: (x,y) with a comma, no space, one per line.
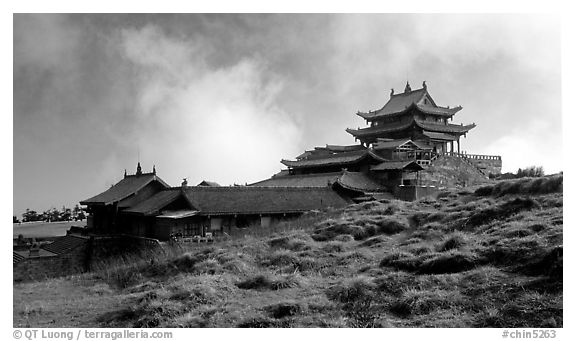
(224,97)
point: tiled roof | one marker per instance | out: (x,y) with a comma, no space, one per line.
(208,183)
(359,182)
(177,214)
(435,127)
(397,126)
(440,136)
(397,165)
(123,189)
(401,102)
(445,128)
(333,159)
(65,244)
(350,180)
(305,180)
(350,148)
(392,144)
(155,203)
(17,257)
(439,110)
(389,144)
(397,103)
(261,200)
(243,200)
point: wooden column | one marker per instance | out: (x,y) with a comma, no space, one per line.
(458,144)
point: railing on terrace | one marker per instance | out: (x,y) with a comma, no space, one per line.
(473,156)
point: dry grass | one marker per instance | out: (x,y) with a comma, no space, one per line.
(489,258)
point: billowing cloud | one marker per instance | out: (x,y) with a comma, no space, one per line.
(197,121)
(225,97)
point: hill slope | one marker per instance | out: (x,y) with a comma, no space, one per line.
(487,259)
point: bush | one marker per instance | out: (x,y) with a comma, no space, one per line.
(401,261)
(283,309)
(357,289)
(289,243)
(257,282)
(264,282)
(448,263)
(500,212)
(454,241)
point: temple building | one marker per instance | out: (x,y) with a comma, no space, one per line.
(408,151)
(405,137)
(143,205)
(105,209)
(413,115)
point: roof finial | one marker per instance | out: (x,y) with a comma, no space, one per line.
(424,84)
(125,174)
(407,88)
(138,169)
(391,92)
(154,169)
(185,182)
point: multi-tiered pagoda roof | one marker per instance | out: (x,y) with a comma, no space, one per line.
(412,114)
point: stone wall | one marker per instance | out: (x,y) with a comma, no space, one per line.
(82,258)
(452,171)
(487,164)
(411,193)
(39,268)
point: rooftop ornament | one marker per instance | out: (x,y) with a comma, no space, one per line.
(407,88)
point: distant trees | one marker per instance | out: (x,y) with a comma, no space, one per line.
(532,171)
(31,215)
(15,220)
(53,214)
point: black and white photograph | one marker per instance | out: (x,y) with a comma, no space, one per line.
(287,170)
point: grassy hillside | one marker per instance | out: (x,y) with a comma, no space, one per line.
(489,258)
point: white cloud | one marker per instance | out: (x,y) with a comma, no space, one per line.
(200,122)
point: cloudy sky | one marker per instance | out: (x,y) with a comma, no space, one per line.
(225,97)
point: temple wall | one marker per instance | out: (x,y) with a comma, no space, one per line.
(411,193)
(488,166)
(39,268)
(452,171)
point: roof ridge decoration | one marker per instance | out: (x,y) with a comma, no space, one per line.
(402,102)
(124,189)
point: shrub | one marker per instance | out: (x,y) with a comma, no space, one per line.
(289,243)
(423,302)
(283,309)
(257,282)
(281,258)
(454,241)
(262,322)
(500,212)
(264,282)
(347,291)
(484,191)
(448,263)
(209,266)
(334,246)
(344,238)
(401,261)
(372,241)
